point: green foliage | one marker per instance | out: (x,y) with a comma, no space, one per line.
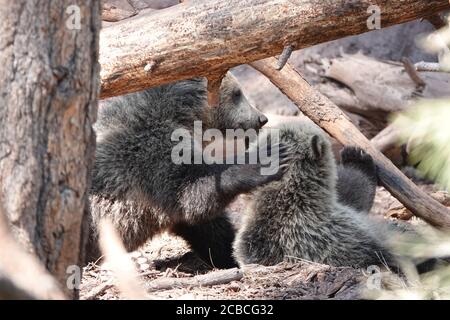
(434,285)
(426,129)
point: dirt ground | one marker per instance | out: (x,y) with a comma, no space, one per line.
(168,258)
(303,280)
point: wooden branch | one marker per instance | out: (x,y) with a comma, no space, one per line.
(214,83)
(209,279)
(200,38)
(98,290)
(386,138)
(412,73)
(328,116)
(429,66)
(285,55)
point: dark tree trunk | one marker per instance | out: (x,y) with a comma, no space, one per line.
(48,103)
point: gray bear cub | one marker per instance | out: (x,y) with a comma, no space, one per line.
(138,187)
(302,216)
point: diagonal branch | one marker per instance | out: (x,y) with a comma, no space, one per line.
(214,83)
(328,116)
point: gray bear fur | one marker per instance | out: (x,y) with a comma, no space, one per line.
(357,179)
(301,217)
(137,186)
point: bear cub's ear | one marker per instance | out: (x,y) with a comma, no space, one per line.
(318,147)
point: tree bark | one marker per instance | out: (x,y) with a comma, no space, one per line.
(204,38)
(48,96)
(328,116)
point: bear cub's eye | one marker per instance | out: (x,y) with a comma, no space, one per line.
(236,95)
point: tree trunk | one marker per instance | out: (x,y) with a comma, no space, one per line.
(204,38)
(48,98)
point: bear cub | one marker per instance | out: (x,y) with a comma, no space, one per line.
(143,192)
(310,214)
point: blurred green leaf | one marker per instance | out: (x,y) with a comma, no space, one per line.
(426,130)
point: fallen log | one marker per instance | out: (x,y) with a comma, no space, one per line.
(371,82)
(328,116)
(116,10)
(98,290)
(386,138)
(209,279)
(205,38)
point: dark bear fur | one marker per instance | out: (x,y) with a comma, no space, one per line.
(137,186)
(357,179)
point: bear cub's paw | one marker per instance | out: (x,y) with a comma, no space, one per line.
(359,159)
(278,170)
